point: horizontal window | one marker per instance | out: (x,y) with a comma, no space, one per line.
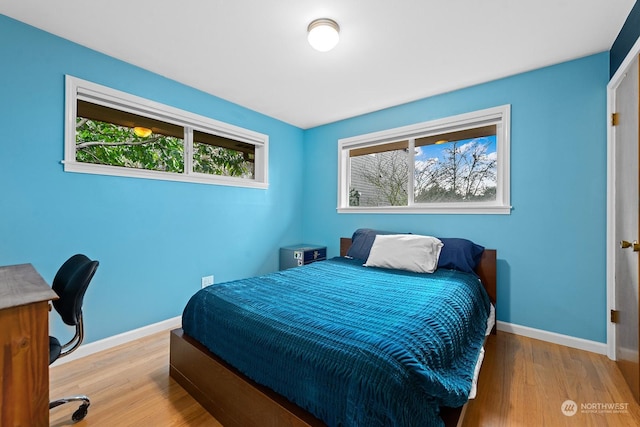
(458,164)
(113,133)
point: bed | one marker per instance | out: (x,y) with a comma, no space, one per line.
(331,390)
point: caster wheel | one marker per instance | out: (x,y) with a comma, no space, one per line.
(80,413)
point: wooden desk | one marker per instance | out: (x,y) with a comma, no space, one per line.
(24,346)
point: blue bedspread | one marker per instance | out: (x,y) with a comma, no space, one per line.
(355,346)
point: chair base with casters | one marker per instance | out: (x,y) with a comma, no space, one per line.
(56,351)
(81,412)
(70,284)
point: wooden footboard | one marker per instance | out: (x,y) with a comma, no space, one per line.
(234,399)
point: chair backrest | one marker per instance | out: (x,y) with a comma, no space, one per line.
(70,283)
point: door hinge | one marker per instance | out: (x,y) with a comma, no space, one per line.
(615,316)
(615,119)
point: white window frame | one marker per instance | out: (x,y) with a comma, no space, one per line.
(499,116)
(78,89)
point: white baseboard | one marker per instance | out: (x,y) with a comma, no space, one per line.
(552,337)
(125,337)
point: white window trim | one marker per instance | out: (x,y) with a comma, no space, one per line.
(84,90)
(500,116)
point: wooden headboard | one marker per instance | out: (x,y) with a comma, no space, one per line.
(486,269)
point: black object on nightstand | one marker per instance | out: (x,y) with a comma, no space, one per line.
(302,254)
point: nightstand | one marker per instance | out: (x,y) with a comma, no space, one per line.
(302,254)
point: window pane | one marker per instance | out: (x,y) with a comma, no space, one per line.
(217,155)
(451,169)
(379,175)
(112,137)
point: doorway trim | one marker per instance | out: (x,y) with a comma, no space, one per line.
(611,209)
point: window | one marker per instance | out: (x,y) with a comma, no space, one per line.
(458,164)
(113,133)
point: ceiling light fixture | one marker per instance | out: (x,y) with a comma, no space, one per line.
(324,34)
(142,132)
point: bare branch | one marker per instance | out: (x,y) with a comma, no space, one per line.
(87,144)
(81,123)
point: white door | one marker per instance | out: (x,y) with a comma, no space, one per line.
(627,212)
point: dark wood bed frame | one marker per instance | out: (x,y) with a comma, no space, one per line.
(237,401)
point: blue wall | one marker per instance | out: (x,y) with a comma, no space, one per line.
(154,239)
(551,249)
(627,37)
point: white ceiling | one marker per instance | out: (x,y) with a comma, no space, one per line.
(255,53)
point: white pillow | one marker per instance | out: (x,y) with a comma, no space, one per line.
(410,252)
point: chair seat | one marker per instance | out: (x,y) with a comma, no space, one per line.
(54,349)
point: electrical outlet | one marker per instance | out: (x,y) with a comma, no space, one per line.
(206,281)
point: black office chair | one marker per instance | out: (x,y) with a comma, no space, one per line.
(70,283)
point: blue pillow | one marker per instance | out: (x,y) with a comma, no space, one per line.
(459,254)
(361,242)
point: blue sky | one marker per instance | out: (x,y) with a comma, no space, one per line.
(436,151)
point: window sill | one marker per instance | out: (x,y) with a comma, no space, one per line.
(442,209)
(163,176)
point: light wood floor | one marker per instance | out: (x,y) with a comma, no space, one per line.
(523,382)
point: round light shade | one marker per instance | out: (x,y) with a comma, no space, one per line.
(324,34)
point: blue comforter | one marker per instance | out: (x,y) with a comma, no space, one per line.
(355,346)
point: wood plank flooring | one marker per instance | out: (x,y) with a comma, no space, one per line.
(523,382)
(128,385)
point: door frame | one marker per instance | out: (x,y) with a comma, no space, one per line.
(615,81)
